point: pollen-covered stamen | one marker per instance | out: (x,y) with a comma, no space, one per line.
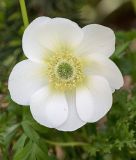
(65,71)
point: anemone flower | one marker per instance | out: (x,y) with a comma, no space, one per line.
(68,78)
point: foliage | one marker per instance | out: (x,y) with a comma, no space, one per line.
(22,138)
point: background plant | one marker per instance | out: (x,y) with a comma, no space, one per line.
(114,136)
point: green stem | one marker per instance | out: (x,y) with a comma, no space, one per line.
(66,144)
(24,12)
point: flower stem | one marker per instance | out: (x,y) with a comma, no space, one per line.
(24,12)
(66,144)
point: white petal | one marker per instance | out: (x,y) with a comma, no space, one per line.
(30,43)
(97,39)
(73,122)
(60,33)
(84,104)
(48,109)
(101,65)
(94,102)
(26,78)
(45,35)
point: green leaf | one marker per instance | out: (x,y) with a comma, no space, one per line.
(30,132)
(10,132)
(120,50)
(20,143)
(39,153)
(23,153)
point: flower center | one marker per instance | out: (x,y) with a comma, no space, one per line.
(65,71)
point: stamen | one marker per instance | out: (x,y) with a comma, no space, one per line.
(65,71)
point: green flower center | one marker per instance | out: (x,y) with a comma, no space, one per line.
(65,70)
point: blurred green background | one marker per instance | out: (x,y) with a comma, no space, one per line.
(114,136)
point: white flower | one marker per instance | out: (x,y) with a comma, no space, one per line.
(68,78)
